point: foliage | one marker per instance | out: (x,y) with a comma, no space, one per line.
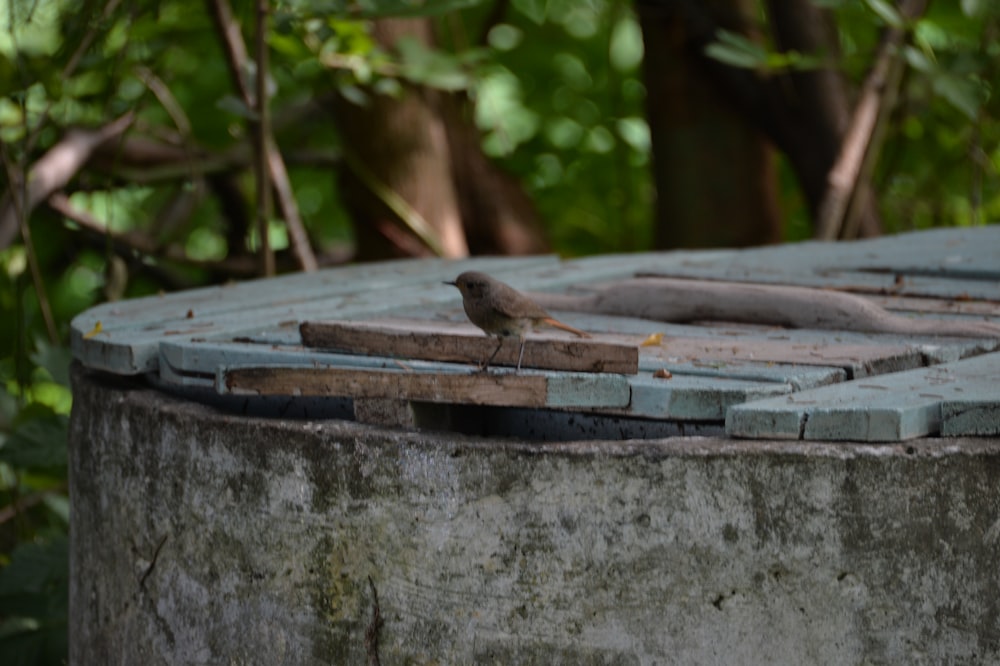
(559,99)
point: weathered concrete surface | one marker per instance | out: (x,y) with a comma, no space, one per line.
(206,538)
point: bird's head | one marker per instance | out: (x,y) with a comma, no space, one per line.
(472,283)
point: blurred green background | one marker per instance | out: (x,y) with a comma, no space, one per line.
(554,90)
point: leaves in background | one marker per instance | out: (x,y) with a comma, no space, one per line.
(34,588)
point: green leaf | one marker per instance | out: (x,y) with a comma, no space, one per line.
(34,593)
(625,50)
(235,106)
(36,567)
(536,10)
(961,93)
(378,8)
(885,11)
(37,439)
(736,50)
(429,67)
(54,359)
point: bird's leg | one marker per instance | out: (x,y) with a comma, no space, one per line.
(520,355)
(486,366)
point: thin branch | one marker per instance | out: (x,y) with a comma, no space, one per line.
(269,161)
(838,214)
(406,213)
(129,244)
(297,236)
(232,46)
(262,143)
(67,72)
(22,504)
(37,279)
(52,172)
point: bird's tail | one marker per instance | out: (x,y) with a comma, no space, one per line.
(549,321)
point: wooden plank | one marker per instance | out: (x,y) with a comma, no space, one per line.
(687,359)
(477,388)
(692,392)
(130,331)
(464,343)
(888,408)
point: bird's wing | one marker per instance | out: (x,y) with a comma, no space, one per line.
(515,304)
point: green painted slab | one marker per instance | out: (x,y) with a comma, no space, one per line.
(888,408)
(763,381)
(860,354)
(700,395)
(692,398)
(971,417)
(199,364)
(944,263)
(356,279)
(798,377)
(129,340)
(196,363)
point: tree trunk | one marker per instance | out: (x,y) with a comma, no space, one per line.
(398,146)
(423,149)
(714,172)
(497,214)
(818,103)
(804,114)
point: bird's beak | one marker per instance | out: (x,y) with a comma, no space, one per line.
(453,284)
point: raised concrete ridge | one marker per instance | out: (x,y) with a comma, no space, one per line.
(205,537)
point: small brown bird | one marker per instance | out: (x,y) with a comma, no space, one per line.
(502,311)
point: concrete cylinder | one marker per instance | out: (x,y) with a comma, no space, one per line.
(205,537)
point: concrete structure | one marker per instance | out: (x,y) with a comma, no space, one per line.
(205,537)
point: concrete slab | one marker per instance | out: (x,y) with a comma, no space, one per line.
(203,537)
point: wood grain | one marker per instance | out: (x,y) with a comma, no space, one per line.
(474,389)
(446,341)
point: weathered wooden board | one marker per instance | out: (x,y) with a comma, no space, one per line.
(676,358)
(889,408)
(696,394)
(464,343)
(129,334)
(521,389)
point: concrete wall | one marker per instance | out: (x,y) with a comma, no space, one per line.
(200,537)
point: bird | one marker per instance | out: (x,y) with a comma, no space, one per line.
(502,311)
